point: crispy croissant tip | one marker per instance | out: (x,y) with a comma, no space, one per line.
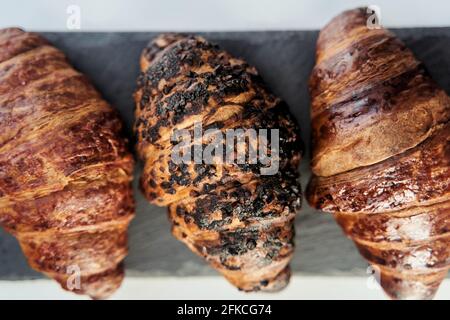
(279,282)
(399,286)
(105,285)
(271,284)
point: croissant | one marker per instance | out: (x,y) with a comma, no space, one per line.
(65,171)
(232,215)
(381,154)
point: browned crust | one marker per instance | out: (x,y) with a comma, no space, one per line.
(381,153)
(371,98)
(239,221)
(419,176)
(65,170)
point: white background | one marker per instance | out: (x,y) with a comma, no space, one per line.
(216,288)
(211,15)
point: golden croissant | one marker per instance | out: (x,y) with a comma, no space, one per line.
(65,171)
(381,153)
(239,220)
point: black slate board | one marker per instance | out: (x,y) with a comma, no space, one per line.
(285,60)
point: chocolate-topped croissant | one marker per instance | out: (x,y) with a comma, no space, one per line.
(381,153)
(237,217)
(65,171)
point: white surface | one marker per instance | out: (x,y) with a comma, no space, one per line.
(210,15)
(301,287)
